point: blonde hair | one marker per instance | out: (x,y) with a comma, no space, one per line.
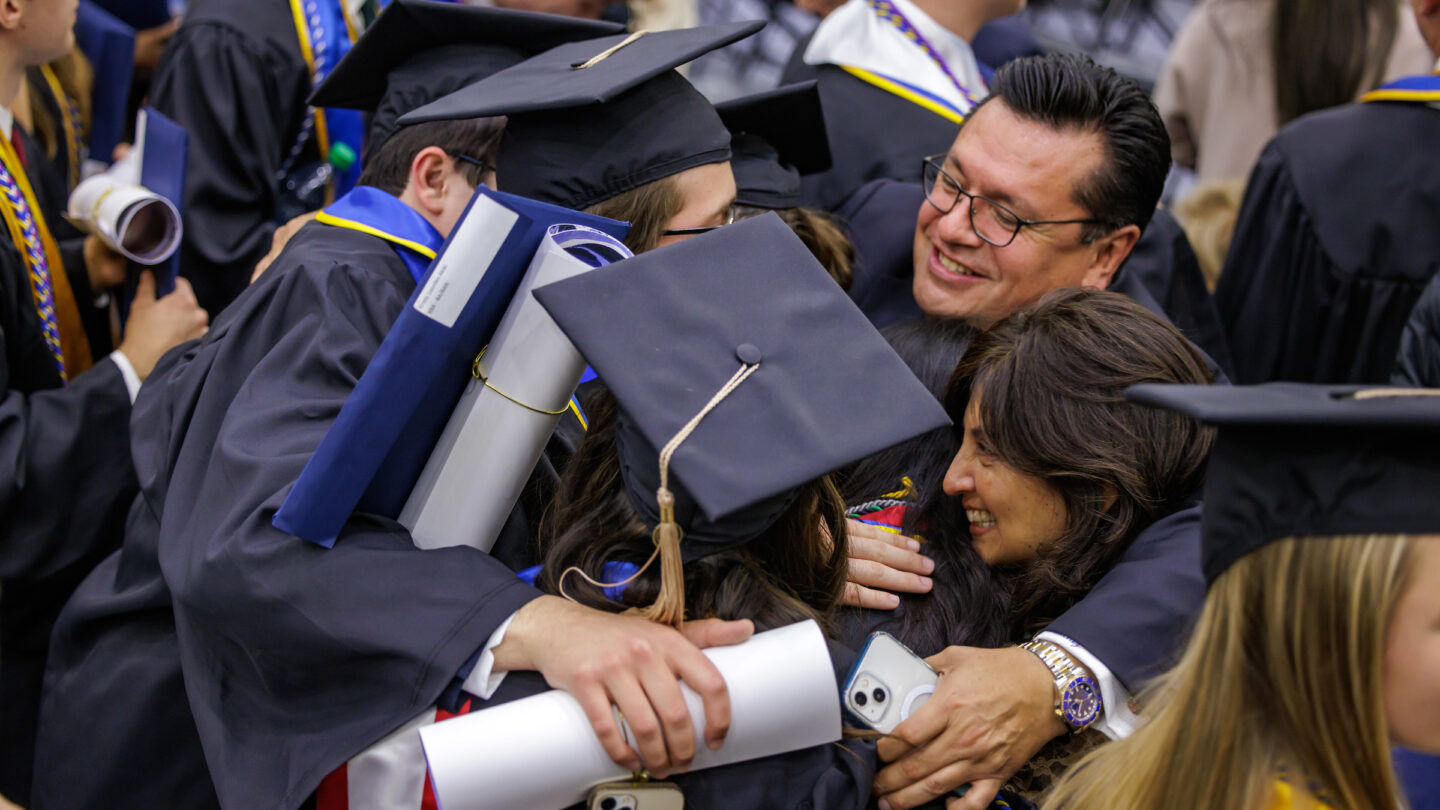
(1208,216)
(1284,669)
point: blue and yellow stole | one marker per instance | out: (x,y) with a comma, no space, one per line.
(1424,89)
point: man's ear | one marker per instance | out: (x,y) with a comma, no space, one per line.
(10,14)
(1107,254)
(428,174)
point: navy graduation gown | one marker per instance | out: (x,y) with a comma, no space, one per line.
(64,486)
(235,79)
(294,658)
(1335,241)
(1418,363)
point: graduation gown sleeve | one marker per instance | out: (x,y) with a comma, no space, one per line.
(1334,243)
(65,478)
(296,657)
(235,83)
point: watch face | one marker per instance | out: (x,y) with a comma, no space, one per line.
(1081,702)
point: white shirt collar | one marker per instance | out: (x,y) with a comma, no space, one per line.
(7,122)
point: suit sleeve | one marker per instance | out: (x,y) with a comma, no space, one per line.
(1136,619)
(228,91)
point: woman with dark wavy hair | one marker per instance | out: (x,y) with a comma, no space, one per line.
(1050,476)
(1057,472)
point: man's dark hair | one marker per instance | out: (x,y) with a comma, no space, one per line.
(1070,92)
(388,168)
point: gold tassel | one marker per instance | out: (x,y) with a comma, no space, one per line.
(669,605)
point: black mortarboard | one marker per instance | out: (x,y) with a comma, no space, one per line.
(419,50)
(1294,460)
(590,120)
(667,329)
(776,136)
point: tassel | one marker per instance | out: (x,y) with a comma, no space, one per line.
(669,605)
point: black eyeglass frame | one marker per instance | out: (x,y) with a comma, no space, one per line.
(730,217)
(474,161)
(938,163)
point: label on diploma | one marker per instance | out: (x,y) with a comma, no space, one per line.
(459,269)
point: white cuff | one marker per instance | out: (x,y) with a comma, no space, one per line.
(483,680)
(1118,718)
(127,371)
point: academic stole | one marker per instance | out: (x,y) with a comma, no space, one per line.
(70,124)
(1424,89)
(54,300)
(886,10)
(323,44)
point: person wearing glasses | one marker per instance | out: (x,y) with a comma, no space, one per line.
(230,663)
(1039,190)
(1048,186)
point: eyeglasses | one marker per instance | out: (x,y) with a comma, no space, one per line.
(730,218)
(990,220)
(463,158)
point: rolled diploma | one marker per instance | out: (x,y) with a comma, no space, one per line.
(491,444)
(540,753)
(107,203)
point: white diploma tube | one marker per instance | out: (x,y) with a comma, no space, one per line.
(498,430)
(540,753)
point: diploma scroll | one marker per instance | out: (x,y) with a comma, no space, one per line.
(540,753)
(139,223)
(523,383)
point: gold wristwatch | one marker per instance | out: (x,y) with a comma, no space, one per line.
(1077,696)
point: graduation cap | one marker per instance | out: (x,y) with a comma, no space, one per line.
(735,380)
(776,136)
(591,120)
(1295,460)
(419,50)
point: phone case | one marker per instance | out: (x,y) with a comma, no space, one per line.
(887,683)
(636,796)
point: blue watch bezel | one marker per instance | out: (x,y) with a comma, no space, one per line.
(1067,702)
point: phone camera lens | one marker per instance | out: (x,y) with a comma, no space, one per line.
(860,699)
(879,695)
(607,803)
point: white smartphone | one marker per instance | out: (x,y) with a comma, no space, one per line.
(636,796)
(887,683)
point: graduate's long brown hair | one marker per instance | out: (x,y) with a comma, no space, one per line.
(795,569)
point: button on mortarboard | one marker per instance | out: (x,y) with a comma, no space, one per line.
(777,136)
(591,120)
(1294,460)
(419,50)
(669,329)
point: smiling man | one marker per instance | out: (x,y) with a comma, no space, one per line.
(1048,185)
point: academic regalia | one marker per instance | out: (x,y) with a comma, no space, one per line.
(1418,363)
(900,107)
(765,324)
(279,640)
(776,138)
(294,657)
(235,78)
(67,483)
(1334,243)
